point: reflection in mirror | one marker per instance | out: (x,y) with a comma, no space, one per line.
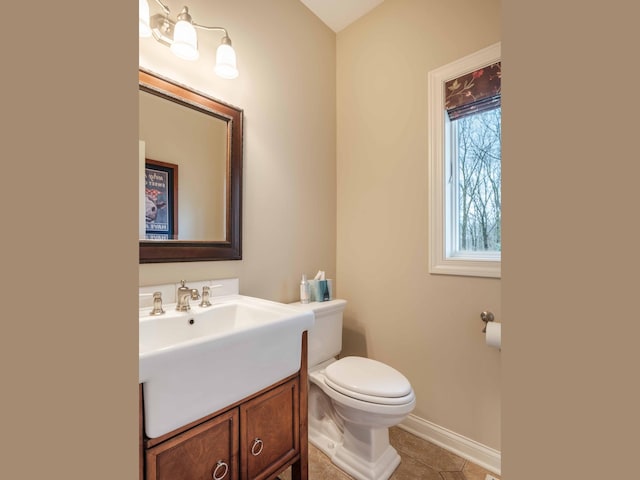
(196,144)
(190,166)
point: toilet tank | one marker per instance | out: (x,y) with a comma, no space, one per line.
(324,340)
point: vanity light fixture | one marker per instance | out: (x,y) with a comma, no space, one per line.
(180,36)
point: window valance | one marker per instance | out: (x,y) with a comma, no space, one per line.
(474,92)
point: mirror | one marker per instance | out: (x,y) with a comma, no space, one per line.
(191,149)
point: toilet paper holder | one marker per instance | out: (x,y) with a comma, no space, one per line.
(486,317)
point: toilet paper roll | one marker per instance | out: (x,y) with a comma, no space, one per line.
(494,334)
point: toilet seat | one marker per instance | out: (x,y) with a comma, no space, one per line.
(369,381)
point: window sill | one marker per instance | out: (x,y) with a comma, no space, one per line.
(466,267)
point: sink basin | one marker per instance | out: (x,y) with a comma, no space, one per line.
(174,329)
(194,363)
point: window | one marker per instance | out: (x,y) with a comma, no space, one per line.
(465,118)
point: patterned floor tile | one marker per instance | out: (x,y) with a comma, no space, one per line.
(421,460)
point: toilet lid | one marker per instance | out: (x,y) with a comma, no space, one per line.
(367,378)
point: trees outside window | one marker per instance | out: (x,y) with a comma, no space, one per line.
(475,181)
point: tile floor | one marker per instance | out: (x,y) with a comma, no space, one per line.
(421,460)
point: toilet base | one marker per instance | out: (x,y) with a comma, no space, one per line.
(360,469)
(363,453)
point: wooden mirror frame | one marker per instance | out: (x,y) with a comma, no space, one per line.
(160,251)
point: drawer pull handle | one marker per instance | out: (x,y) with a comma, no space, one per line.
(256,448)
(225,469)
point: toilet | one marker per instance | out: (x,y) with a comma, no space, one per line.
(352,400)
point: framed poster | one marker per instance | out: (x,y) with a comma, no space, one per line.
(161,200)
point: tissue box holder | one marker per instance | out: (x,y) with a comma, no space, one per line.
(321,290)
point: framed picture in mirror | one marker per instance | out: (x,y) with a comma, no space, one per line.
(161,200)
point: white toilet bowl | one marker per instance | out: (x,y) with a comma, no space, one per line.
(366,398)
(352,401)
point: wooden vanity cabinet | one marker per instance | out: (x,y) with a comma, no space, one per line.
(208,451)
(269,431)
(254,439)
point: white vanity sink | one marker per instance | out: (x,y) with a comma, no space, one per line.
(197,362)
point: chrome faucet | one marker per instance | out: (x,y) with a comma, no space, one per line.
(183,295)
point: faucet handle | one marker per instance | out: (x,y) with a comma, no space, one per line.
(206,292)
(157,302)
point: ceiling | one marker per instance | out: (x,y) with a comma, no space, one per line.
(338,14)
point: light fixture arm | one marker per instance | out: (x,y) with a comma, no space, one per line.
(203,27)
(165,9)
(167,12)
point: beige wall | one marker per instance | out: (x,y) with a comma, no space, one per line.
(425,325)
(286,88)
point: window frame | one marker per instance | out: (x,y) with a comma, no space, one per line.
(442,260)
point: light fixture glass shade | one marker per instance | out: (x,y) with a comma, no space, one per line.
(143,14)
(226,61)
(185,41)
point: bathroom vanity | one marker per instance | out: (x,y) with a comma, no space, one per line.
(223,390)
(255,438)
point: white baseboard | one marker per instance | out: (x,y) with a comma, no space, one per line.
(483,456)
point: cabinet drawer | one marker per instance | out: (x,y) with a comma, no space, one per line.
(205,452)
(269,431)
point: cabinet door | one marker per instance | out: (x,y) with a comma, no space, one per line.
(269,434)
(208,451)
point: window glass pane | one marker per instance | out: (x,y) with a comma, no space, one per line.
(476,182)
